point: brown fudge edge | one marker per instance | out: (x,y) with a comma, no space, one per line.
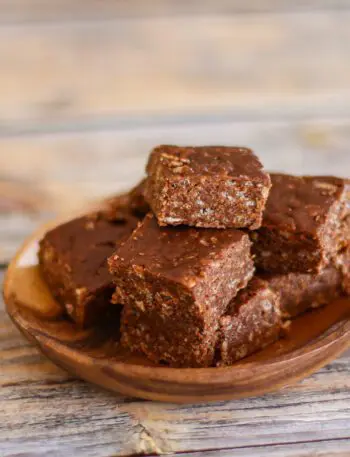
(84,307)
(136,338)
(159,185)
(253,322)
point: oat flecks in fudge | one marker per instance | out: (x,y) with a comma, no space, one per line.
(175,284)
(73,259)
(300,292)
(252,322)
(306,223)
(122,205)
(213,186)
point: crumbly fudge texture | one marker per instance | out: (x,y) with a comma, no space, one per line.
(300,292)
(252,322)
(122,205)
(175,284)
(73,259)
(305,225)
(213,187)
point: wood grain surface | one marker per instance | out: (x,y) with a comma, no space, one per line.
(58,10)
(86,89)
(61,73)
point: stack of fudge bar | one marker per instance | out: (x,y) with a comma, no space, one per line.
(208,258)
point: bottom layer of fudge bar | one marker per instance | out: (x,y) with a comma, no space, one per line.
(175,283)
(168,341)
(252,322)
(73,259)
(299,292)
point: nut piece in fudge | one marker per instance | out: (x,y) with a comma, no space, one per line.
(213,187)
(252,322)
(73,259)
(306,223)
(175,284)
(300,292)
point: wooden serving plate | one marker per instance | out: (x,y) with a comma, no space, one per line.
(95,355)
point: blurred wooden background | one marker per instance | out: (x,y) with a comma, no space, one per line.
(87,88)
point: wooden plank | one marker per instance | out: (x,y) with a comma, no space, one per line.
(46,411)
(58,10)
(54,173)
(323,448)
(93,72)
(115,158)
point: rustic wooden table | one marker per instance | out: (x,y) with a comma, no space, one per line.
(86,89)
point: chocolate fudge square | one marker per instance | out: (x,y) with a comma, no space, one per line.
(175,284)
(300,292)
(73,259)
(306,223)
(213,187)
(252,322)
